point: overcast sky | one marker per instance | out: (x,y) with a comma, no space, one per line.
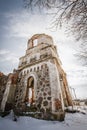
(17,25)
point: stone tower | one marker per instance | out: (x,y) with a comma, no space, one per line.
(41,83)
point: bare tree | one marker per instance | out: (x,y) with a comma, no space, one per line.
(71,12)
(82,53)
(66,10)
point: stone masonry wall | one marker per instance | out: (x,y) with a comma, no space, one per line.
(19,92)
(43,99)
(42,88)
(3,82)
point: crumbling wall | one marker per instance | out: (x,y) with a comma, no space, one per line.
(7,91)
(40,38)
(42,87)
(41,62)
(67,99)
(14,79)
(43,99)
(3,82)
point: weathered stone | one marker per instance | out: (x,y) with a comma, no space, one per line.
(49,98)
(44,94)
(40,99)
(42,110)
(45,103)
(46,89)
(40,94)
(40,82)
(37,81)
(49,93)
(58,116)
(42,89)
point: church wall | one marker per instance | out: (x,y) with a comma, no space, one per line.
(57,101)
(47,90)
(3,82)
(45,39)
(41,68)
(5,95)
(42,87)
(11,94)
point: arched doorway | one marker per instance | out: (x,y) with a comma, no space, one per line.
(29,99)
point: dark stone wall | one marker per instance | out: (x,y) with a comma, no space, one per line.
(43,99)
(42,89)
(3,82)
(19,93)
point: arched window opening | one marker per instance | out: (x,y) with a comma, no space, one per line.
(35,42)
(31,70)
(34,68)
(27,71)
(30,92)
(38,68)
(41,66)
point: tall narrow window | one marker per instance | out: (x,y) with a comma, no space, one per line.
(35,42)
(30,92)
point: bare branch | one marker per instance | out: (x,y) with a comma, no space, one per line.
(73,12)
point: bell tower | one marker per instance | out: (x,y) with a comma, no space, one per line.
(42,81)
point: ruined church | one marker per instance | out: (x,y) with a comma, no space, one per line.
(39,84)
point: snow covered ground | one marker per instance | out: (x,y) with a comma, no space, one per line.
(76,121)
